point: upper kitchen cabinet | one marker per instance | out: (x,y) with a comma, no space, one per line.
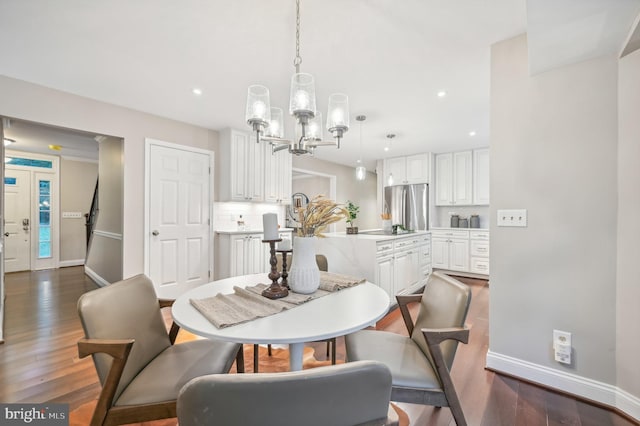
(481,177)
(454,179)
(462,178)
(277,181)
(406,170)
(241,167)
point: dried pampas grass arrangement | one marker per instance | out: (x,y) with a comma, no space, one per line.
(317,215)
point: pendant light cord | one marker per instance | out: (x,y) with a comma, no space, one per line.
(298,59)
(360,156)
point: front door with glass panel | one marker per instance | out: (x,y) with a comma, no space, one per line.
(31,231)
(17,190)
(41,236)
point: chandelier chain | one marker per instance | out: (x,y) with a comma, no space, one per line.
(298,59)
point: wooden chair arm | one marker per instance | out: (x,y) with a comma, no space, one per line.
(116,348)
(119,350)
(403,302)
(435,336)
(175,328)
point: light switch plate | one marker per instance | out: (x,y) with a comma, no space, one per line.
(71,215)
(513,217)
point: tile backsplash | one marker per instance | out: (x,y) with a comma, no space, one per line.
(443,218)
(227,214)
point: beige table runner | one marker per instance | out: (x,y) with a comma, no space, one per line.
(246,304)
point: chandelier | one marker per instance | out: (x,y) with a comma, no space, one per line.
(267,121)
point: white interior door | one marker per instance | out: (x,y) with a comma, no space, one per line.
(17,190)
(179,237)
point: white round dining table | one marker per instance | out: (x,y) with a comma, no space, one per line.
(336,314)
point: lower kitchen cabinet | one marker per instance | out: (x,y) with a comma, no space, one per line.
(479,252)
(461,250)
(242,254)
(398,264)
(385,274)
(450,253)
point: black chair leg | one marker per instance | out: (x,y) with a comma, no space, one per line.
(255,358)
(333,351)
(240,360)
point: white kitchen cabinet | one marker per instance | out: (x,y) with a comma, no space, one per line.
(461,250)
(398,264)
(450,250)
(385,274)
(425,261)
(241,164)
(454,179)
(407,170)
(247,255)
(479,252)
(458,254)
(242,254)
(481,177)
(277,180)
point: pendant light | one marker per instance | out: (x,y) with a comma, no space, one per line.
(361,170)
(267,121)
(390,136)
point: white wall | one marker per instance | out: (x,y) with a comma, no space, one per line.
(43,105)
(77,184)
(362,193)
(104,256)
(554,152)
(628,294)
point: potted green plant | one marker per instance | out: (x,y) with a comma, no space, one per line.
(352,214)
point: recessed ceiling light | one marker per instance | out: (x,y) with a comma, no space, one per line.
(386,148)
(197,91)
(8,141)
(472,133)
(358,161)
(442,94)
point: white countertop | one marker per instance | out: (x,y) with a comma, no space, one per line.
(248,231)
(374,237)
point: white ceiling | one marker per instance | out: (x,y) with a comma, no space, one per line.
(390,57)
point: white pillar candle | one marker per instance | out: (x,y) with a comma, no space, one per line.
(270,226)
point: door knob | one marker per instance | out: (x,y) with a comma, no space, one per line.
(155,233)
(6,234)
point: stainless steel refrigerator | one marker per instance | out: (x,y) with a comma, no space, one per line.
(408,205)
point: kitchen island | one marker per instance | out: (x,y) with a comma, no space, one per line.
(399,264)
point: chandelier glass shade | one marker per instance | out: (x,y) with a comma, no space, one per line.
(268,122)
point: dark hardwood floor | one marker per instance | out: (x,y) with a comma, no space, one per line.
(39,360)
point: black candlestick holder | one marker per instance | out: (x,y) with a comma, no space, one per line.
(275,290)
(284,274)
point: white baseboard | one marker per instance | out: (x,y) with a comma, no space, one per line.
(628,403)
(566,382)
(66,263)
(94,276)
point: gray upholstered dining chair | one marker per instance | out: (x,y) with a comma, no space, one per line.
(347,394)
(421,363)
(323,265)
(139,367)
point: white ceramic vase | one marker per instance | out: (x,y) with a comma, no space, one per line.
(304,275)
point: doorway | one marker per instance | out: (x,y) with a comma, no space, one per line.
(312,183)
(31,232)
